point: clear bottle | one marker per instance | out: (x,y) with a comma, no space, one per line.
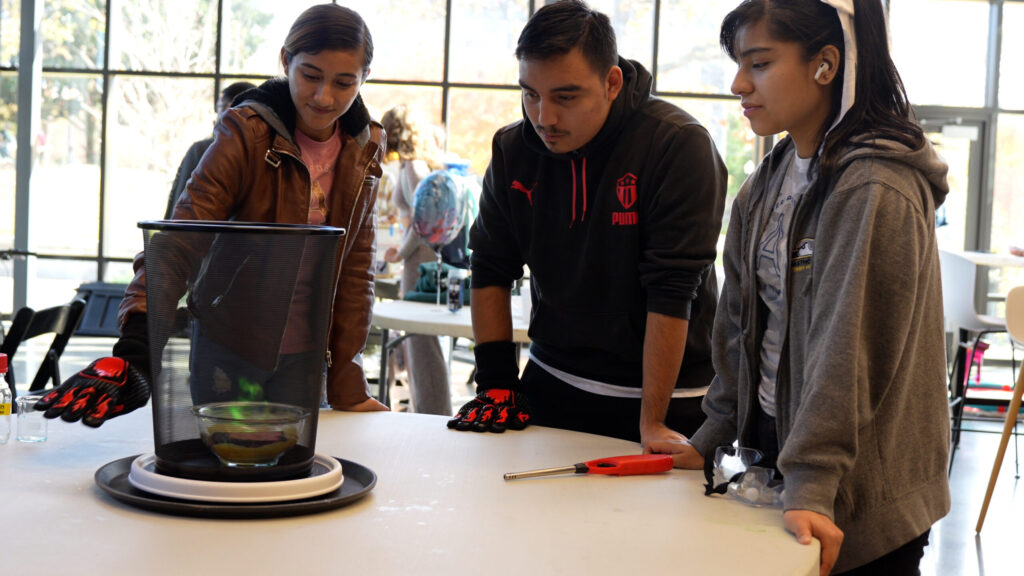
(6,399)
(455,278)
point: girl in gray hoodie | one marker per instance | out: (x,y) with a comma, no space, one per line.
(828,342)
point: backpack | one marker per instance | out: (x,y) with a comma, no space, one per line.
(456,252)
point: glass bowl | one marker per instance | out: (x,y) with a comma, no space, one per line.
(249,433)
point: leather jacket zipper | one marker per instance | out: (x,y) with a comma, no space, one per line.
(337,279)
(344,247)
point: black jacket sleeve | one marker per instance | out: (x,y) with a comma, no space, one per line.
(497,259)
(684,221)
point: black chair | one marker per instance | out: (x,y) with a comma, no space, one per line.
(60,321)
(958,287)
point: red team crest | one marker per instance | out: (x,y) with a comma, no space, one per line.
(625,189)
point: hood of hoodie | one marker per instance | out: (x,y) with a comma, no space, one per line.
(272,100)
(636,89)
(923,159)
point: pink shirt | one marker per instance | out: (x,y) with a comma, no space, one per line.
(321,158)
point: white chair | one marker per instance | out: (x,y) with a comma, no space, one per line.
(1015,327)
(959,277)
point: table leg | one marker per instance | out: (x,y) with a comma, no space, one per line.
(959,390)
(1008,426)
(383,391)
(386,346)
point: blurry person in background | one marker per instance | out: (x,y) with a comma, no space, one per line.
(7,145)
(196,150)
(414,152)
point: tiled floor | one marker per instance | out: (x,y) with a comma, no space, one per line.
(955,549)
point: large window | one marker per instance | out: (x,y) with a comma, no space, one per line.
(965,84)
(690,58)
(10,37)
(1008,198)
(126,86)
(1011,85)
(946,73)
(252,32)
(1008,192)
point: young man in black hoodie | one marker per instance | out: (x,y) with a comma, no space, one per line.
(614,200)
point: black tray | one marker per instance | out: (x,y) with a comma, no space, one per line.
(113,479)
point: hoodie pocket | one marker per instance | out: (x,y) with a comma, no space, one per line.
(866,486)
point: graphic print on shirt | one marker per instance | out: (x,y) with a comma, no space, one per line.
(770,252)
(317,205)
(517,185)
(800,260)
(320,159)
(625,191)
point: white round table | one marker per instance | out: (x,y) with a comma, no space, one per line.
(440,506)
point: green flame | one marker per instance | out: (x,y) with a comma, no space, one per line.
(248,390)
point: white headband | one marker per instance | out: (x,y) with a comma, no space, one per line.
(845,10)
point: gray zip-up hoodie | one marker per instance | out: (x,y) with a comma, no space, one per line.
(861,404)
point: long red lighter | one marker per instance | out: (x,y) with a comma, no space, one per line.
(616,466)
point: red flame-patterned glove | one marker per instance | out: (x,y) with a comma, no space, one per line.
(499,405)
(494,410)
(106,388)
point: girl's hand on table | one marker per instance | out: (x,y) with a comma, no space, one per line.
(804,524)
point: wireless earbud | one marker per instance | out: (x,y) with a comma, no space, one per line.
(822,68)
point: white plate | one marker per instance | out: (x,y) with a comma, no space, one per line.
(325,476)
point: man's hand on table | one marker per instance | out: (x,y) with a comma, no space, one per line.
(368,405)
(498,405)
(494,410)
(805,524)
(660,435)
(661,439)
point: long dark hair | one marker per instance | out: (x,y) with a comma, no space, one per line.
(329,27)
(880,105)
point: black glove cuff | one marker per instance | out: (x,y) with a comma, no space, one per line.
(133,345)
(497,365)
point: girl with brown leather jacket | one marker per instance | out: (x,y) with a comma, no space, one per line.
(301,149)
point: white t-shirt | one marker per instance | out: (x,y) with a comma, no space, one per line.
(772,267)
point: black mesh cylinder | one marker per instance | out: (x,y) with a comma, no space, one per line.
(237,312)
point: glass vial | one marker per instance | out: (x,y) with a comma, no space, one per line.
(6,399)
(455,278)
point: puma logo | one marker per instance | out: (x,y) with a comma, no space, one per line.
(516,185)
